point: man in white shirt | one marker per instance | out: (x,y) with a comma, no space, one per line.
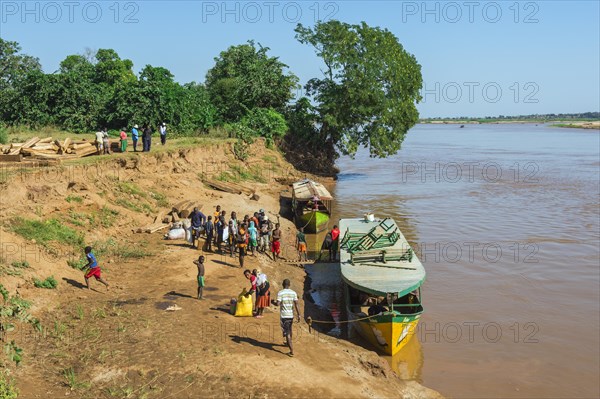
(99,141)
(163,133)
(288,301)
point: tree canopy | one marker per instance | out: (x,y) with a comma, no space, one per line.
(245,77)
(368,93)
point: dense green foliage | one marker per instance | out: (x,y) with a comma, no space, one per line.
(244,77)
(96,91)
(366,97)
(368,93)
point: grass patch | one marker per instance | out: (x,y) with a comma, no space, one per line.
(130,189)
(72,380)
(44,232)
(239,173)
(8,386)
(107,216)
(269,159)
(74,198)
(160,198)
(111,248)
(141,207)
(20,265)
(14,269)
(49,283)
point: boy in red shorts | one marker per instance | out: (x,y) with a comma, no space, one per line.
(94,269)
(276,244)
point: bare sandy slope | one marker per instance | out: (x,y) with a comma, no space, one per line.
(123,343)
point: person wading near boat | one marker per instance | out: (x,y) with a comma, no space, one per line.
(276,244)
(288,301)
(301,244)
(333,249)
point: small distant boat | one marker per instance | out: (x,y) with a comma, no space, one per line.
(462,126)
(382,282)
(311,205)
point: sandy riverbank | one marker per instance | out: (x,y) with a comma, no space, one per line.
(123,343)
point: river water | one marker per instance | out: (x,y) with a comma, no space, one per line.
(505,219)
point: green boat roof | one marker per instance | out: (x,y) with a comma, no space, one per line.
(374,276)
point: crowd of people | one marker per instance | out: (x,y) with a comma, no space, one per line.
(250,235)
(102,141)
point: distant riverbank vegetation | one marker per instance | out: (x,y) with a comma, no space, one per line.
(532,118)
(366,96)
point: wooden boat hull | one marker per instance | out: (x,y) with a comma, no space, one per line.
(389,333)
(313,222)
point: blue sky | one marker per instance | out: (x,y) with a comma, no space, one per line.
(478,58)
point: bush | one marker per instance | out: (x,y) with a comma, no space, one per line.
(265,122)
(3,135)
(49,283)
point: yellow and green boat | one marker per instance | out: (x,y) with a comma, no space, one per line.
(382,282)
(311,205)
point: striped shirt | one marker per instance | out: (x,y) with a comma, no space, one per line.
(286,298)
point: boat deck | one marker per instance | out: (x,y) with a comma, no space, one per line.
(400,274)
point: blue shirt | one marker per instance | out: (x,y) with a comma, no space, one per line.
(134,133)
(91,258)
(198,219)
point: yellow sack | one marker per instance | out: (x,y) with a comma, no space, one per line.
(244,305)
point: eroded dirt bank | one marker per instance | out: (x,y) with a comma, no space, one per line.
(122,342)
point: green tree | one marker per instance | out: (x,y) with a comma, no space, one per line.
(245,77)
(265,122)
(14,66)
(368,94)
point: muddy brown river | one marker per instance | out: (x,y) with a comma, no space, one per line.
(505,219)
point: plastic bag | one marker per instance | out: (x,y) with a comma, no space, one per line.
(176,234)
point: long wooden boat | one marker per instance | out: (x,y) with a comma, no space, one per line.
(311,205)
(382,282)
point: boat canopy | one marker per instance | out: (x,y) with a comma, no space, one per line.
(306,189)
(376,258)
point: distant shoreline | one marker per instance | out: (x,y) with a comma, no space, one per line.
(554,123)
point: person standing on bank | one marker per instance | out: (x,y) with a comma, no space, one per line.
(147,138)
(134,137)
(288,301)
(123,136)
(200,264)
(105,141)
(163,133)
